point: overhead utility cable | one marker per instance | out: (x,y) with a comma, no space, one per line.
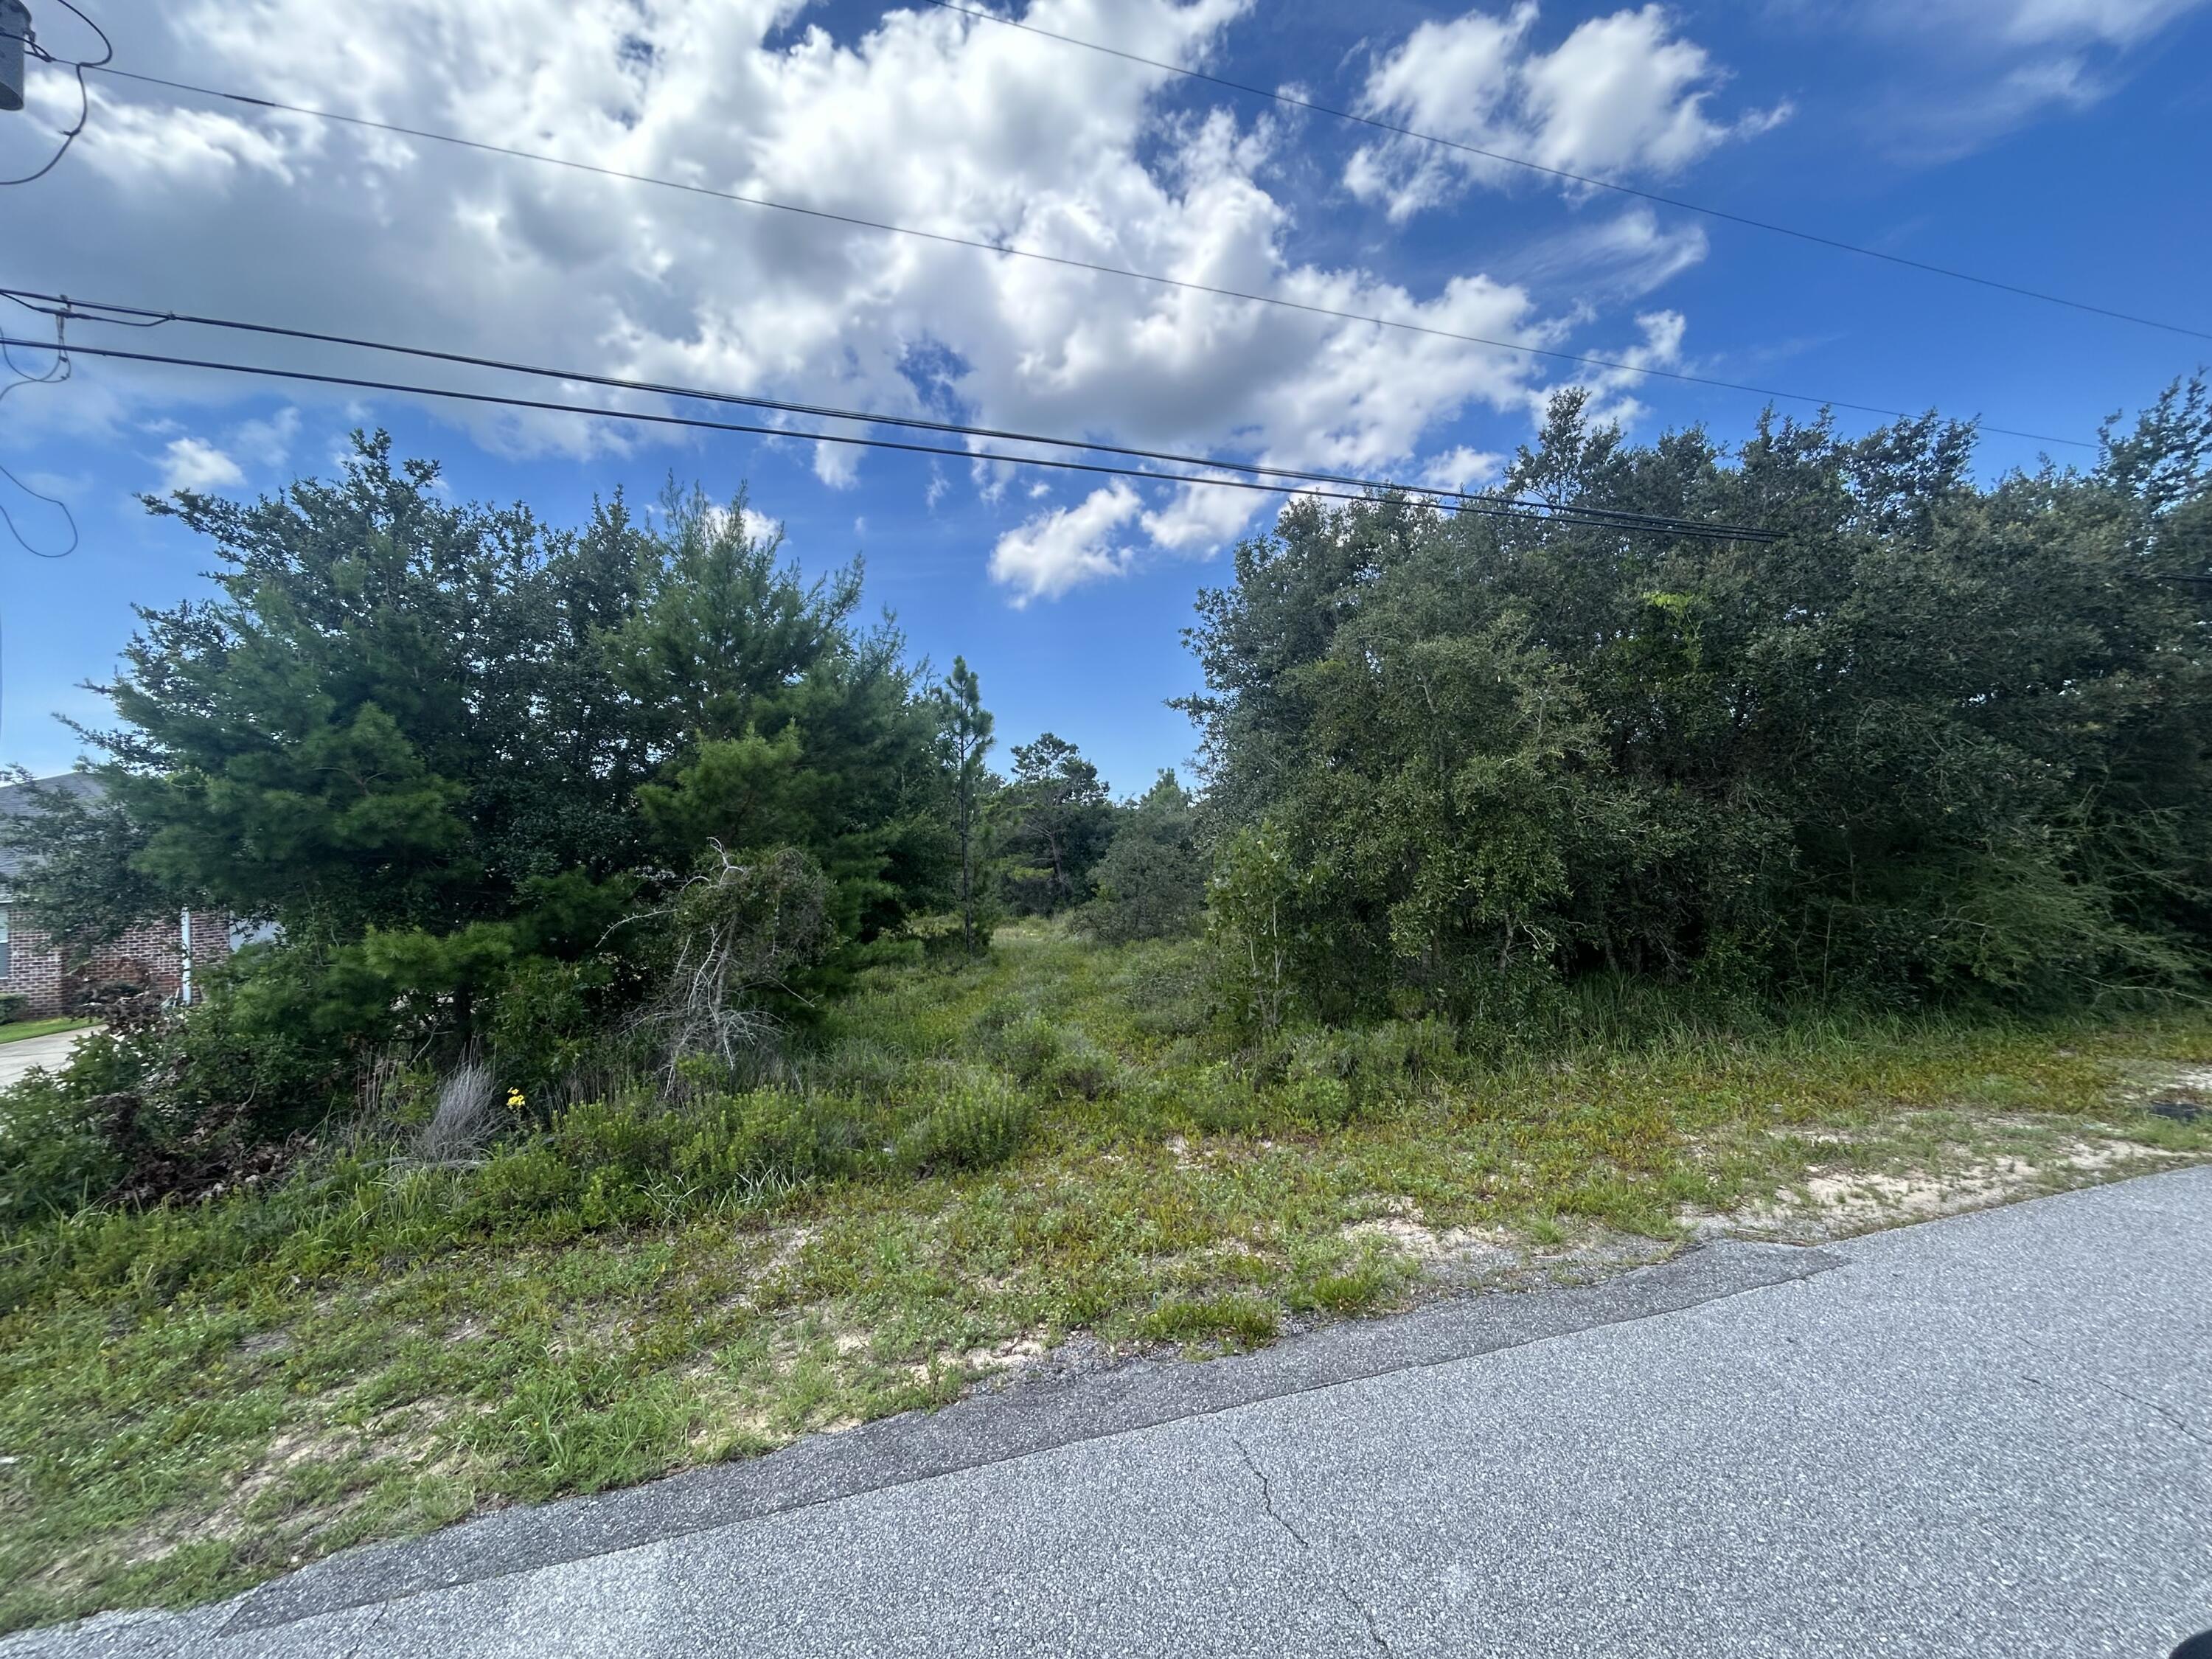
(32,49)
(1065,261)
(1598,518)
(1508,159)
(61,307)
(54,376)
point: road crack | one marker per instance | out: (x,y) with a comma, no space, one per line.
(2179,1424)
(2174,1421)
(1268,1503)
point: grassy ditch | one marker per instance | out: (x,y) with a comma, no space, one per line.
(969,1166)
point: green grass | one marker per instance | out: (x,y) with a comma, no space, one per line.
(37,1028)
(1054,1140)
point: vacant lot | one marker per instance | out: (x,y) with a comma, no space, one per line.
(193,1399)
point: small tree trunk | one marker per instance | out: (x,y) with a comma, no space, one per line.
(1059,871)
(967,868)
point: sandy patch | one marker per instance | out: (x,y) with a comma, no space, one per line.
(1402,1228)
(1002,1357)
(1833,1202)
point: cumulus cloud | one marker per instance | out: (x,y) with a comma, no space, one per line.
(1054,551)
(922,118)
(1621,94)
(1462,468)
(1200,519)
(196,463)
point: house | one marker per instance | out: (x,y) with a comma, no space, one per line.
(158,952)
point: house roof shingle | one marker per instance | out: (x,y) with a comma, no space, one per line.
(17,804)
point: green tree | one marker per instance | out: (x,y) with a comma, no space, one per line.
(436,742)
(1061,822)
(393,710)
(80,878)
(1151,881)
(1942,737)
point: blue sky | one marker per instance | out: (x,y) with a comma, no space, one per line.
(2062,144)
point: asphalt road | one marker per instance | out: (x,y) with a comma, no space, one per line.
(1990,1435)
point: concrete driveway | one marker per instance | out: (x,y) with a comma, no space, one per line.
(1988,1435)
(49,1051)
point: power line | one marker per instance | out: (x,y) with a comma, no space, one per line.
(1597,518)
(83,97)
(142,317)
(984,245)
(1296,102)
(54,376)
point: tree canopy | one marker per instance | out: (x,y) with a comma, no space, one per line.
(430,740)
(1940,736)
(1059,819)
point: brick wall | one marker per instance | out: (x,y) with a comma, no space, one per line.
(152,952)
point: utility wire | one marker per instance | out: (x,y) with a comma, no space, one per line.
(1598,518)
(1010,252)
(61,371)
(140,317)
(1296,102)
(83,97)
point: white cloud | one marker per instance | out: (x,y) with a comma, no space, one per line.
(1461,469)
(1614,389)
(1941,130)
(2115,22)
(1200,519)
(924,117)
(753,524)
(267,443)
(1631,254)
(1983,68)
(1054,551)
(1621,94)
(196,463)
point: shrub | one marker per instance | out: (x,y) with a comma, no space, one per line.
(1215,1100)
(1083,1070)
(545,1023)
(976,1122)
(1151,882)
(1257,928)
(126,1117)
(741,931)
(1027,1045)
(56,1155)
(634,1159)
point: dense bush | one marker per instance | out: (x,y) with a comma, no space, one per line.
(1151,882)
(56,1153)
(1941,739)
(467,765)
(427,739)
